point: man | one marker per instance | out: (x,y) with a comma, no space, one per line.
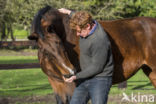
(96,60)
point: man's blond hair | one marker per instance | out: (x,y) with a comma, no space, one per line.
(81,19)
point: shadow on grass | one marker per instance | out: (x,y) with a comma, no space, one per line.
(31,85)
(22,91)
(136,81)
(38,87)
(143,87)
(138,86)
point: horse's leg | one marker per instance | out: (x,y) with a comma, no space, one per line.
(63,91)
(59,99)
(125,70)
(150,73)
(149,67)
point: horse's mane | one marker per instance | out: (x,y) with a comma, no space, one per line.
(60,23)
(37,21)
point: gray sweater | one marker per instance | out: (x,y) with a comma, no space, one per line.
(96,57)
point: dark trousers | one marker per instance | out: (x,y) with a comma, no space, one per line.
(96,89)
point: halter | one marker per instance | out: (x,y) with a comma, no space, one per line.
(51,74)
(57,78)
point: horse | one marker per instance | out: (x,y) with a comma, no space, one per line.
(132,40)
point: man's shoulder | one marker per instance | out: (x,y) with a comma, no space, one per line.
(100,36)
(100,33)
(101,30)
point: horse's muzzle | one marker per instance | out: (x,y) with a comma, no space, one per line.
(69,75)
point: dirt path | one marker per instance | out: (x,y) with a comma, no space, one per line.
(49,99)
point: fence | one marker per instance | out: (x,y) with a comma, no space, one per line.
(4,44)
(19,66)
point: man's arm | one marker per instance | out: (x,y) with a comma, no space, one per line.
(100,51)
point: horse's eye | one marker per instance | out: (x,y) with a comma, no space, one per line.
(51,29)
(58,43)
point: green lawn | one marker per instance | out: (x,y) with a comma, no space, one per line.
(18,59)
(20,34)
(26,82)
(139,83)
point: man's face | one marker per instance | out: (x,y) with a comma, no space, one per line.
(83,32)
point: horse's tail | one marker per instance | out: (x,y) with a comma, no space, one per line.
(37,21)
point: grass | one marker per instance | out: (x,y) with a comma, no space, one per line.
(18,56)
(18,59)
(139,83)
(24,82)
(12,52)
(20,34)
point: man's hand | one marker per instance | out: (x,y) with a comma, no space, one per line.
(65,11)
(69,80)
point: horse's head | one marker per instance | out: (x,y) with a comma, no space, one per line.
(48,31)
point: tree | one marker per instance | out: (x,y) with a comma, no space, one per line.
(135,8)
(2,23)
(6,19)
(19,13)
(100,9)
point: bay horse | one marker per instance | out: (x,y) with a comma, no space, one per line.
(132,40)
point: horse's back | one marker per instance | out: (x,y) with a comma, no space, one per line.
(135,33)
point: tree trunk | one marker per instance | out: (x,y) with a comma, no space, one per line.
(3,36)
(11,32)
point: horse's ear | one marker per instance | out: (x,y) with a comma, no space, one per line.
(33,36)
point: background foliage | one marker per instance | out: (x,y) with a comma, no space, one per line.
(18,14)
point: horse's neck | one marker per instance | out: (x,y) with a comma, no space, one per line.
(71,43)
(70,34)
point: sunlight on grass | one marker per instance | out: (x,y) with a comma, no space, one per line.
(34,82)
(18,59)
(24,82)
(20,34)
(139,83)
